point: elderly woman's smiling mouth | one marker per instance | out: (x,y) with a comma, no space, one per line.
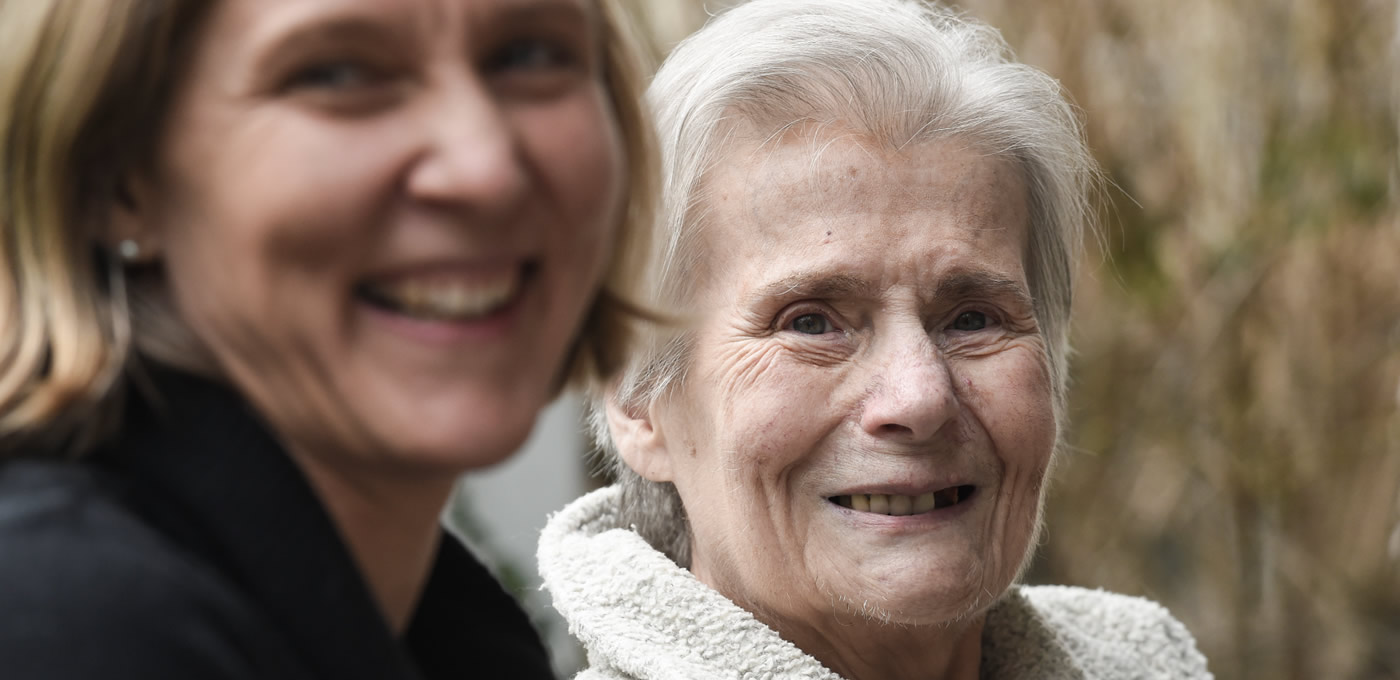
(904,505)
(907,494)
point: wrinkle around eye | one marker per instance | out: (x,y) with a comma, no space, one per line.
(744,360)
(740,363)
(987,345)
(815,350)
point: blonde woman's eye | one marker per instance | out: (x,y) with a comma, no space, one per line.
(336,75)
(812,324)
(970,321)
(531,55)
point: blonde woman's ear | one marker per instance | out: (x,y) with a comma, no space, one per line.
(126,232)
(640,441)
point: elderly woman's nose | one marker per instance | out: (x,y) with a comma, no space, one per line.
(912,394)
(470,153)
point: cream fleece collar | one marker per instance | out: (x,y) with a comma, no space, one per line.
(639,615)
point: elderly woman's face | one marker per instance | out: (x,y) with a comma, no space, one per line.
(866,420)
(388,217)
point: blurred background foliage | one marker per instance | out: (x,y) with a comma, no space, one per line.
(1235,451)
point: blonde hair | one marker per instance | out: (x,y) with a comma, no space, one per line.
(83,90)
(610,330)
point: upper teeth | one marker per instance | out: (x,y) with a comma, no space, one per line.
(446,298)
(894,504)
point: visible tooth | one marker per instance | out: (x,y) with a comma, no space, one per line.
(924,502)
(901,505)
(501,290)
(843,501)
(879,503)
(860,502)
(447,299)
(957,495)
(455,299)
(413,295)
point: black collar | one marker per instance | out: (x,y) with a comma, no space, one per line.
(209,474)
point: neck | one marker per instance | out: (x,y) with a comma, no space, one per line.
(871,650)
(390,525)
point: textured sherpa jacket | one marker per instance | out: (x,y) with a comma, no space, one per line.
(640,616)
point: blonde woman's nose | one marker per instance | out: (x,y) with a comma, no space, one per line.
(472,155)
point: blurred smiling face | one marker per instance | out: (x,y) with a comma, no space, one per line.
(387,218)
(866,421)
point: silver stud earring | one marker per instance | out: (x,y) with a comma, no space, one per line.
(129,249)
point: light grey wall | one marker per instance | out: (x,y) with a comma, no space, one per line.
(500,511)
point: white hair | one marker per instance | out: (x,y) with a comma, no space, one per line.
(896,71)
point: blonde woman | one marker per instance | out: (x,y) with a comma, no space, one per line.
(275,272)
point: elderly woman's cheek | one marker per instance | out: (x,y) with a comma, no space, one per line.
(1010,395)
(767,400)
(755,373)
(1017,409)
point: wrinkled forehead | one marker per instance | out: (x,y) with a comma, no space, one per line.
(810,169)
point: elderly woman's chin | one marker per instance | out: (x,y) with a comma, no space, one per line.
(944,575)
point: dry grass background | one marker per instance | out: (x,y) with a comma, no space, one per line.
(1236,410)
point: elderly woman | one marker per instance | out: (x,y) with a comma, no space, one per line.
(837,467)
(275,273)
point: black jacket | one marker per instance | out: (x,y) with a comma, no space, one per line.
(193,547)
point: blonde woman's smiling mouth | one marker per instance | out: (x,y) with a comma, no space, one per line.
(453,294)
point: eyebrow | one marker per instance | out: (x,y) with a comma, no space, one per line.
(981,283)
(284,44)
(529,11)
(815,285)
(367,26)
(552,14)
(957,285)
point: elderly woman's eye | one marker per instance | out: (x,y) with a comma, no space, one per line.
(812,324)
(970,321)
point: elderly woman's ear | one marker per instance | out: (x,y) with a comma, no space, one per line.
(639,439)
